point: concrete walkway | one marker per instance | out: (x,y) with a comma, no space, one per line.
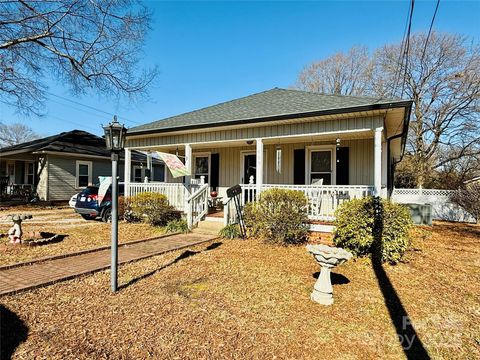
(38,274)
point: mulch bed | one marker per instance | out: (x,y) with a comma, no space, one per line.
(244,299)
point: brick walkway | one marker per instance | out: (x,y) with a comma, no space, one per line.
(48,272)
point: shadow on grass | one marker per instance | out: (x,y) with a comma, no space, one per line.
(337,279)
(13,332)
(184,255)
(406,334)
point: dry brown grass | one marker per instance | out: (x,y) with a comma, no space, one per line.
(247,300)
(80,234)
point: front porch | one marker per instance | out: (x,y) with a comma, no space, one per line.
(329,168)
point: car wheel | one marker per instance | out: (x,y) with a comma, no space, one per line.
(87,217)
(107,215)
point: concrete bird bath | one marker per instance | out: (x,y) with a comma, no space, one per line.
(327,257)
(15,232)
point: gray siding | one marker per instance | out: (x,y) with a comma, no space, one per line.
(62,175)
(360,162)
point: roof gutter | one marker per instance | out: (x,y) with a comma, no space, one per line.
(383,106)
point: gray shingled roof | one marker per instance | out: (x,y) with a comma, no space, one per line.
(271,103)
(75,141)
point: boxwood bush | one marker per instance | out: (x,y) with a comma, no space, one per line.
(356,229)
(278,217)
(152,208)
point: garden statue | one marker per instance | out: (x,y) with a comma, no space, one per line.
(327,257)
(15,232)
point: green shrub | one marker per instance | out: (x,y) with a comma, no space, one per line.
(152,208)
(231,231)
(356,228)
(177,226)
(278,217)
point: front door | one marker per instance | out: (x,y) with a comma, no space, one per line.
(249,168)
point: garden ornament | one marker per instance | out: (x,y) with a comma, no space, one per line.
(15,232)
(327,257)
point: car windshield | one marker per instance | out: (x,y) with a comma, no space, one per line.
(90,190)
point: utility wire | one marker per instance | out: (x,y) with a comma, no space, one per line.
(407,48)
(430,31)
(92,107)
(401,54)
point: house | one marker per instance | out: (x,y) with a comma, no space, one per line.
(331,147)
(59,166)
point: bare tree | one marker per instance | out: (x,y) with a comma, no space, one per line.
(467,198)
(442,77)
(16,133)
(87,44)
(341,74)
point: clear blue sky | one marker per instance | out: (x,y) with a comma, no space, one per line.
(209,52)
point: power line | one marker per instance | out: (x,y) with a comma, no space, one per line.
(401,53)
(92,108)
(430,30)
(407,48)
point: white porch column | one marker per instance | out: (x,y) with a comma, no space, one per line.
(127,171)
(259,172)
(188,165)
(384,168)
(377,175)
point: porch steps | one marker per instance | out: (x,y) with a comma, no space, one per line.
(208,227)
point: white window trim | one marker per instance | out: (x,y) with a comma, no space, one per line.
(90,168)
(25,178)
(202,154)
(308,161)
(242,164)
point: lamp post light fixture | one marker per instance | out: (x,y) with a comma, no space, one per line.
(115,142)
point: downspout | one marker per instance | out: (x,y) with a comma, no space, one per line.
(403,135)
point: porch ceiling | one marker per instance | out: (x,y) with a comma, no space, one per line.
(287,139)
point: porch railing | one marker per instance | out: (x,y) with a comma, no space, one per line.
(323,200)
(197,205)
(175,192)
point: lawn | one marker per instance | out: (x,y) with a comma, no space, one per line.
(246,300)
(79,234)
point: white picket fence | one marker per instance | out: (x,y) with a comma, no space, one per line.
(442,207)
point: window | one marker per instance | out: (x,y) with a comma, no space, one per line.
(321,165)
(159,173)
(84,173)
(137,174)
(202,166)
(29,172)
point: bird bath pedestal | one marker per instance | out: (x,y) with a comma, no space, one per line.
(327,257)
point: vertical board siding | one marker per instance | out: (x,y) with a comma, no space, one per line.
(360,162)
(308,126)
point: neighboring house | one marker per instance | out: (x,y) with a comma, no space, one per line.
(331,147)
(58,166)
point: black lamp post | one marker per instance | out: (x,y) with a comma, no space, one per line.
(115,142)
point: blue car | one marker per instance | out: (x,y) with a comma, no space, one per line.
(88,207)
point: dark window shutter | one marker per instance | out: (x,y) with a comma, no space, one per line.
(299,166)
(342,166)
(214,170)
